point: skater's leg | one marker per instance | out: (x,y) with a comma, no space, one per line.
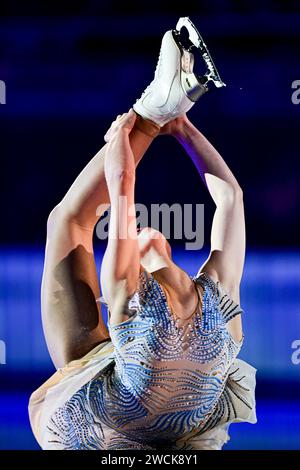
(72,318)
(84,202)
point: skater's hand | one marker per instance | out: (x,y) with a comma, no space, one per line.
(118,146)
(123,124)
(173,127)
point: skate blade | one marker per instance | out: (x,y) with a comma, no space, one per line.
(195,40)
(193,85)
(190,83)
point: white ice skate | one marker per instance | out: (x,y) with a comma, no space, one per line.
(175,87)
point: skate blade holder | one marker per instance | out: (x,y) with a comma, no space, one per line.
(195,40)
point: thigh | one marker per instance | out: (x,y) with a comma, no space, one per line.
(72,318)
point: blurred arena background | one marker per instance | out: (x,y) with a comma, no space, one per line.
(68,73)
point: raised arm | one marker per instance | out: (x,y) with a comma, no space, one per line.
(226,260)
(121,264)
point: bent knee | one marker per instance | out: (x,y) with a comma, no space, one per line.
(53,218)
(60,216)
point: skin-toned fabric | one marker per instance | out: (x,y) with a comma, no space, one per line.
(92,400)
(161,385)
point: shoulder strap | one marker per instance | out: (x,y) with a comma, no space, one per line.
(228,307)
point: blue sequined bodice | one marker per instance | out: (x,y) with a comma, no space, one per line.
(167,377)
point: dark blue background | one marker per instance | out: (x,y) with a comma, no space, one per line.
(68,73)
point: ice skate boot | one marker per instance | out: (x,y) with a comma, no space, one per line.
(175,87)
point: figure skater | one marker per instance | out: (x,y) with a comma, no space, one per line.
(163,373)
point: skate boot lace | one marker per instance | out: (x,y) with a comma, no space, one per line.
(157,74)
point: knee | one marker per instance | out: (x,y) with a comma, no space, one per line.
(52,217)
(56,217)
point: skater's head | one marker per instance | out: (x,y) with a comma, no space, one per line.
(155,250)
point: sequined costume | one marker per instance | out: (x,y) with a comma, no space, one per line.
(156,384)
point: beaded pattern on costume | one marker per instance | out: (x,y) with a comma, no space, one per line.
(167,379)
